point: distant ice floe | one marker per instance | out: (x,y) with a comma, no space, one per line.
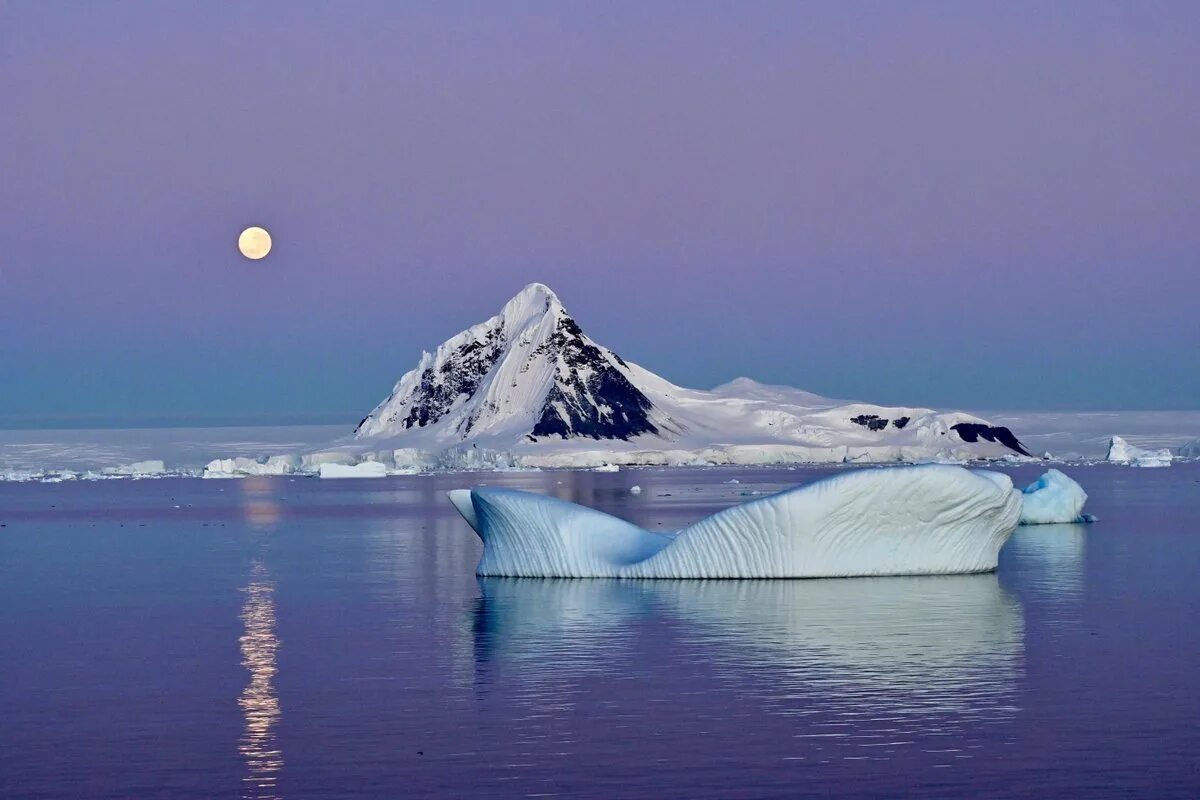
(242,467)
(1053,498)
(139,469)
(1122,452)
(367,469)
(917,520)
(1189,450)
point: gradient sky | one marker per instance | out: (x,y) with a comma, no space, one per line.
(977,205)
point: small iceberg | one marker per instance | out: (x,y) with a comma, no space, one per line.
(1122,452)
(1053,498)
(917,520)
(242,467)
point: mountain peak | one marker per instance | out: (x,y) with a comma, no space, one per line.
(539,290)
(530,371)
(531,304)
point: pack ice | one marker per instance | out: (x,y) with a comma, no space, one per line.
(1053,498)
(919,520)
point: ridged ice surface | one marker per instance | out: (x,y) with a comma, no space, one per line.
(922,520)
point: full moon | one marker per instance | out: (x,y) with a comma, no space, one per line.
(254,243)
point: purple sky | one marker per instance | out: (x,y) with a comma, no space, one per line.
(979,205)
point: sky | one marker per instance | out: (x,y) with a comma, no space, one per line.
(970,205)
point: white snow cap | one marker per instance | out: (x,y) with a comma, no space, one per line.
(920,520)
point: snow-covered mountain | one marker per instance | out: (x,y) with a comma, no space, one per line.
(528,371)
(529,387)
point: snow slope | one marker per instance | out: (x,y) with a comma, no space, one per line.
(921,520)
(531,388)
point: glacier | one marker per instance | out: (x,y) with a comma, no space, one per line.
(1053,498)
(367,469)
(915,520)
(1122,452)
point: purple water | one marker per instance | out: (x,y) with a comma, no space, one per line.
(327,639)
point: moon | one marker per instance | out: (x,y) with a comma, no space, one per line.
(254,243)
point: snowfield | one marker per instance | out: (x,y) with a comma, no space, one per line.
(919,520)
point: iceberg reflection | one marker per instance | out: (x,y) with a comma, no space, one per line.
(931,642)
(1052,555)
(921,654)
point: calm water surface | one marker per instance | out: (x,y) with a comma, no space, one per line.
(324,639)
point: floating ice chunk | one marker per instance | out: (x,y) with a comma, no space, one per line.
(894,521)
(635,490)
(1189,450)
(1122,452)
(243,467)
(367,469)
(607,468)
(1052,498)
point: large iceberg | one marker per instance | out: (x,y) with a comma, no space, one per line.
(920,520)
(1053,498)
(1122,452)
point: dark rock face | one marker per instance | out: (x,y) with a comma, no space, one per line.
(459,375)
(590,397)
(872,422)
(972,432)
